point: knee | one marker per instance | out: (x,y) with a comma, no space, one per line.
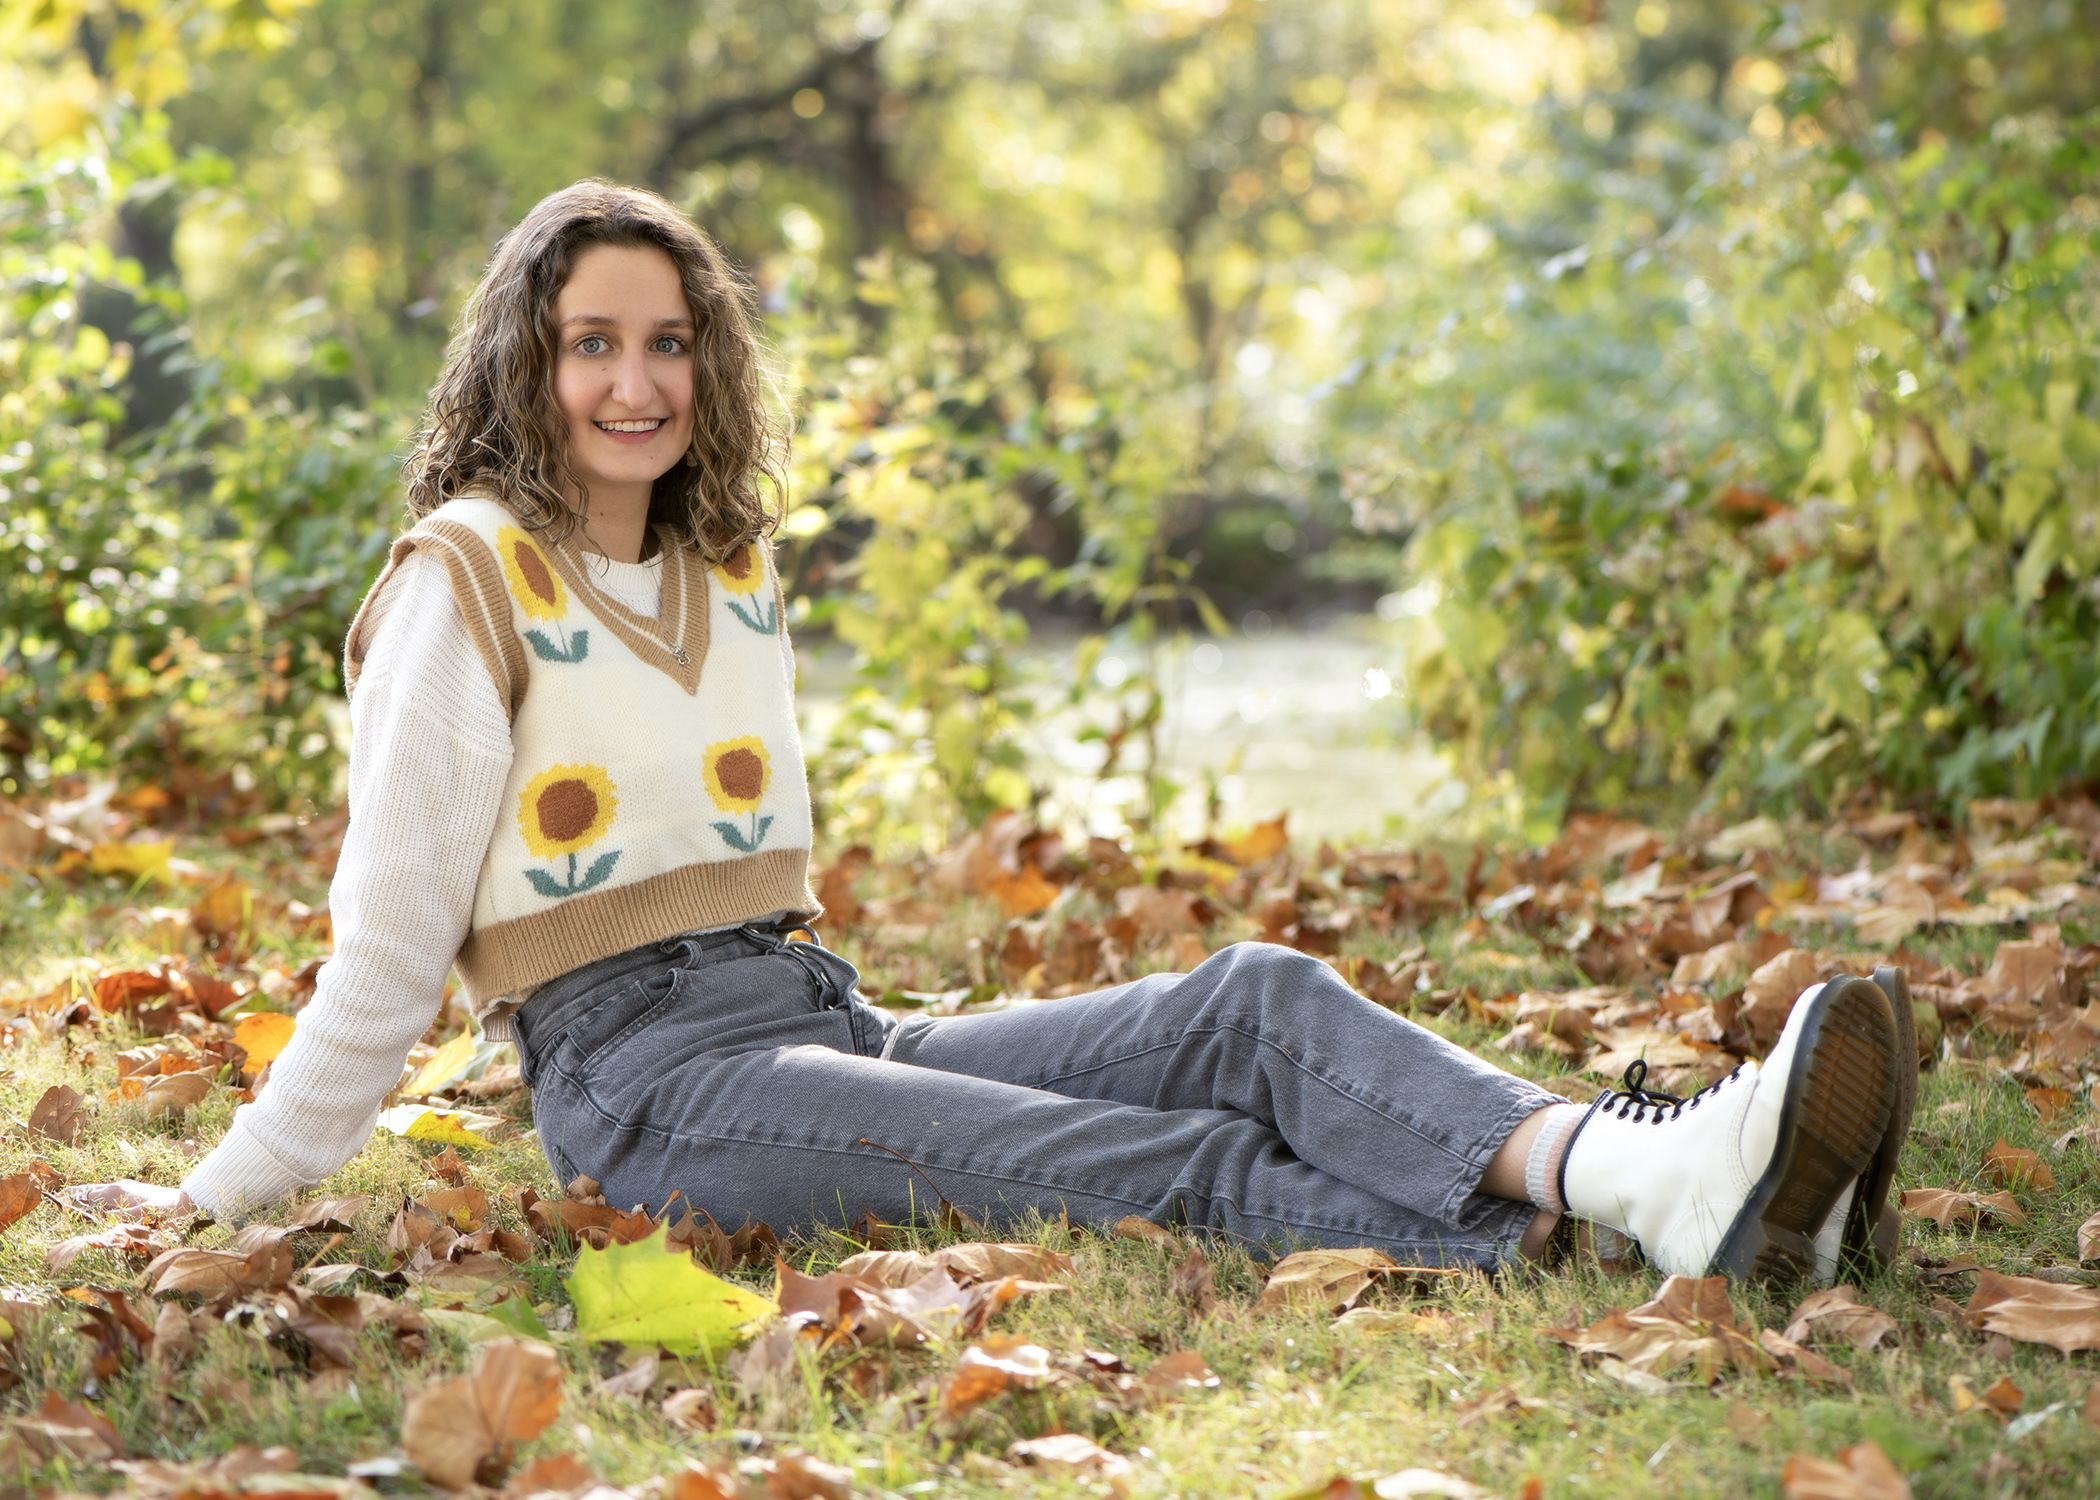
(1272,972)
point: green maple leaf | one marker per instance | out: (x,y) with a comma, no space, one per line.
(647,1293)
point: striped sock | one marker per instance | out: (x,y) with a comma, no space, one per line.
(1548,1148)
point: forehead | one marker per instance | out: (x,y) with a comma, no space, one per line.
(623,282)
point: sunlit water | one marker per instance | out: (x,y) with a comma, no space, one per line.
(1304,722)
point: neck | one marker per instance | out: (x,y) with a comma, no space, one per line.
(616,522)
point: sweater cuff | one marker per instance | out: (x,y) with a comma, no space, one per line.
(240,1176)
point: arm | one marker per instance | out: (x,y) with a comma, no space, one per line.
(429,752)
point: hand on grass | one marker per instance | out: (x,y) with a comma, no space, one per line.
(126,1196)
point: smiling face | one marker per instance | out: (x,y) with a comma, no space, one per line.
(623,378)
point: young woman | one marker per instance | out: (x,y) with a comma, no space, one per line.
(576,778)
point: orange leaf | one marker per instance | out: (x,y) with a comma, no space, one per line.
(2048,1103)
(263,1036)
(2014,1166)
(18,1195)
(1262,841)
(999,1364)
(1023,894)
(114,992)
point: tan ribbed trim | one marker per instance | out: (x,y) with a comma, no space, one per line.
(680,625)
(484,604)
(525,952)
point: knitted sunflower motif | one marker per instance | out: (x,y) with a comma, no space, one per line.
(539,593)
(743,574)
(563,810)
(737,773)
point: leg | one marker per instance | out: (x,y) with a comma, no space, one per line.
(1269,1033)
(733,1084)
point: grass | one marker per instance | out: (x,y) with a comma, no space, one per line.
(1301,1398)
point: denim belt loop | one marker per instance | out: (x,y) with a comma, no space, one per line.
(832,992)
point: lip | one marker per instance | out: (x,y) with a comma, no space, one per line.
(635,439)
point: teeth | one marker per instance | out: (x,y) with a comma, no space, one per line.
(648,426)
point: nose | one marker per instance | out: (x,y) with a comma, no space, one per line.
(632,386)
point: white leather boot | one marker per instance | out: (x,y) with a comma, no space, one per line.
(1737,1179)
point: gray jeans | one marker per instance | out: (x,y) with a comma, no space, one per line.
(1257,1098)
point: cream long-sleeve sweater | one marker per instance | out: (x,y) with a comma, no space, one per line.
(430,749)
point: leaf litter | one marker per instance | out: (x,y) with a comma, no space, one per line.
(1686,968)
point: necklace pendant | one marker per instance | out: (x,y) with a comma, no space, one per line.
(678,652)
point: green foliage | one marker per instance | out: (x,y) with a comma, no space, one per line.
(1800,499)
(180,594)
(1708,389)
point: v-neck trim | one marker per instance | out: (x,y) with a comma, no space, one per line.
(675,642)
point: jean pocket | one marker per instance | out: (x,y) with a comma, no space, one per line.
(607,1026)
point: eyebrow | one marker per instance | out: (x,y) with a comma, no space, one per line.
(599,320)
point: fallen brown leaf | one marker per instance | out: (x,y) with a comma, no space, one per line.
(798,1476)
(692,1408)
(244,1471)
(1835,1315)
(1769,994)
(1330,1279)
(172,1093)
(1070,1454)
(135,1241)
(120,1335)
(60,1428)
(2012,1166)
(1748,1423)
(329,1215)
(1196,1284)
(2048,1103)
(1133,1228)
(2004,1398)
(1859,1473)
(1175,1375)
(1809,1365)
(997,1365)
(1502,1403)
(220,1273)
(1690,1321)
(1023,894)
(967,1263)
(2066,1318)
(557,1474)
(2089,1239)
(453,1429)
(19,1195)
(1948,1207)
(60,1115)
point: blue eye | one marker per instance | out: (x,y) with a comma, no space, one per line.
(670,344)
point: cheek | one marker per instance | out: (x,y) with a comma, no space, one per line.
(576,392)
(678,395)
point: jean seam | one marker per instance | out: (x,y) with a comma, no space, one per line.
(1305,1070)
(583,1094)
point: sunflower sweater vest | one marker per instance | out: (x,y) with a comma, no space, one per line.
(656,783)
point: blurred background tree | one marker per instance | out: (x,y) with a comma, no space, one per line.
(1702,395)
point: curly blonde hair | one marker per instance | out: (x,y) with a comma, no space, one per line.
(493,422)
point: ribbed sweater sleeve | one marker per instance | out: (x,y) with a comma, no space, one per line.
(429,753)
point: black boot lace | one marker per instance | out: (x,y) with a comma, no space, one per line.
(1634,1100)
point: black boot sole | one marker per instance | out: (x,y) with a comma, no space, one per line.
(1873,1227)
(1841,1094)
